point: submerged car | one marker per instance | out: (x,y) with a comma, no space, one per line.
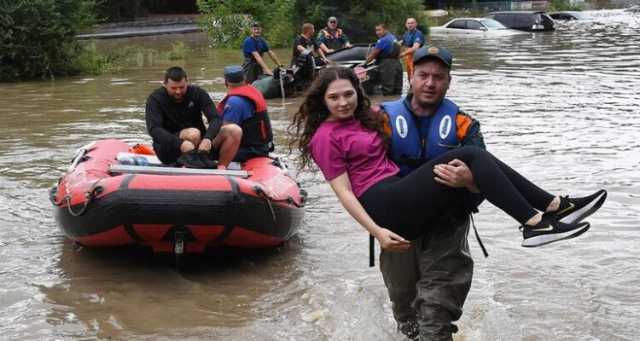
(568,16)
(524,20)
(474,27)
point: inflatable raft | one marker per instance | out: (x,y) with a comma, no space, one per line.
(271,87)
(356,54)
(100,201)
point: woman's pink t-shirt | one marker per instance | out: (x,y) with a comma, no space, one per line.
(347,146)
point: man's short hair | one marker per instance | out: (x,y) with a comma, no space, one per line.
(381,24)
(307,27)
(175,74)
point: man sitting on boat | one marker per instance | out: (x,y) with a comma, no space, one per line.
(173,115)
(332,38)
(306,55)
(244,108)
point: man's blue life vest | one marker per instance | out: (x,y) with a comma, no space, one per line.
(412,145)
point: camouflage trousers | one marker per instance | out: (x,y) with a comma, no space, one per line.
(428,284)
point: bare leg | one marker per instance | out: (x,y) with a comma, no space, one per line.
(192,135)
(227,142)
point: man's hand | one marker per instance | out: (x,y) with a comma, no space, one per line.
(186,146)
(347,45)
(390,241)
(268,72)
(205,145)
(454,174)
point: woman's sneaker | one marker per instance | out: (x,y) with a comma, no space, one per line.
(549,230)
(573,210)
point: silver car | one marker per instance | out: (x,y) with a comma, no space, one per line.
(482,27)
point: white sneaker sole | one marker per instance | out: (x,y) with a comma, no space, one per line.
(554,237)
(585,211)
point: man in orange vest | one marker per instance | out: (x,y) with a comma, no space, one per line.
(332,38)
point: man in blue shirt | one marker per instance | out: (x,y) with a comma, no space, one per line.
(389,71)
(244,107)
(412,40)
(253,48)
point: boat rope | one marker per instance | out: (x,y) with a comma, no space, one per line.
(260,192)
(89,196)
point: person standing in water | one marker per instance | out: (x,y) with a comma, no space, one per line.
(253,48)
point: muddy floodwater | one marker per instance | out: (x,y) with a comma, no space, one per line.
(562,107)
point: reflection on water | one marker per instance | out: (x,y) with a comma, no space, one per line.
(562,107)
(128,291)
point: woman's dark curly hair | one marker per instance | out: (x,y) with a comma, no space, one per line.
(313,112)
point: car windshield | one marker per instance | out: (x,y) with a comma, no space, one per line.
(493,24)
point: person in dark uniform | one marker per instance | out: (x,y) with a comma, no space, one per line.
(332,38)
(412,40)
(244,108)
(253,48)
(173,115)
(306,55)
(389,71)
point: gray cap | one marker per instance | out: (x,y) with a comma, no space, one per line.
(439,53)
(234,74)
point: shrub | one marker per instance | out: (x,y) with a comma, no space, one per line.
(37,37)
(228,23)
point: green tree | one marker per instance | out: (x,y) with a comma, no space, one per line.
(37,37)
(229,21)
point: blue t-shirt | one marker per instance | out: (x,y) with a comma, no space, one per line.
(411,37)
(252,44)
(237,109)
(385,45)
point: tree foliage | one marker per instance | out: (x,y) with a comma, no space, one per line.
(37,37)
(229,21)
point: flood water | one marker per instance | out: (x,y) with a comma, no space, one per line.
(562,107)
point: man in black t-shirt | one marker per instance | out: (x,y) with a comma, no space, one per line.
(305,44)
(173,115)
(306,55)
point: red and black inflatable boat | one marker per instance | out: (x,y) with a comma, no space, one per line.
(101,202)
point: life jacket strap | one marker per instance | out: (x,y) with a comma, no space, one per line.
(475,230)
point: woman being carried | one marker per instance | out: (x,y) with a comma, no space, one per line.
(336,128)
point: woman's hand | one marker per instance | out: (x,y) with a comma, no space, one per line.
(390,241)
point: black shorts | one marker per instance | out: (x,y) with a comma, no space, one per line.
(166,153)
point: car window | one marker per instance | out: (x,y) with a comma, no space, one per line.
(507,20)
(548,21)
(490,23)
(523,20)
(457,24)
(474,25)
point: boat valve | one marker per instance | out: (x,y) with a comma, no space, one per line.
(178,247)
